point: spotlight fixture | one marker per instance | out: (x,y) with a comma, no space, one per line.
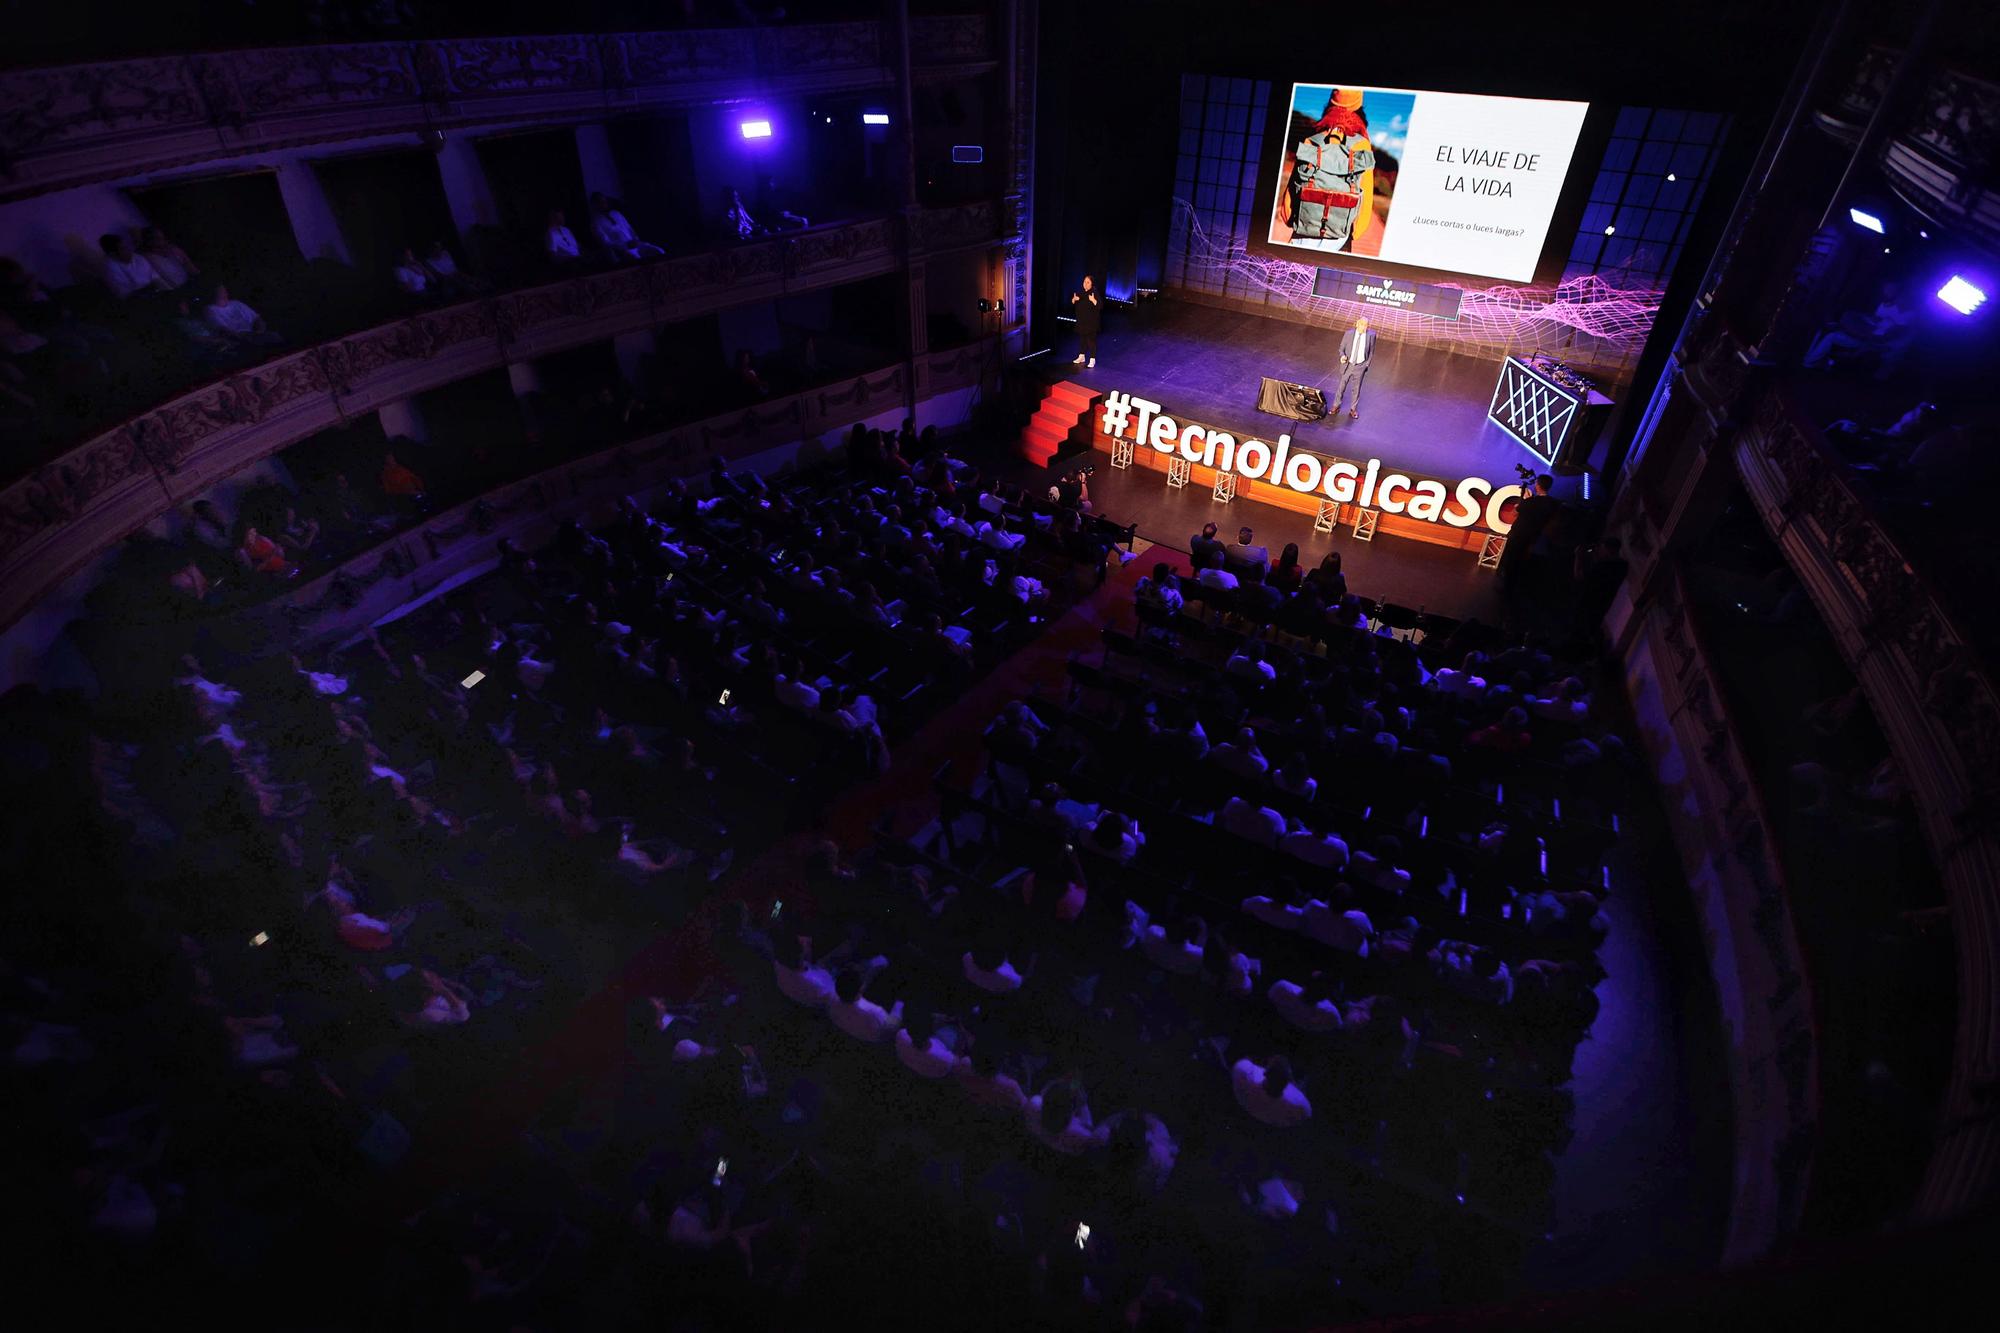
(1961,295)
(985,305)
(756,129)
(999,304)
(1926,235)
(1611,231)
(1671,176)
(1867,221)
(874,118)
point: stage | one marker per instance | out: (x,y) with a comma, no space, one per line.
(1423,410)
(1394,569)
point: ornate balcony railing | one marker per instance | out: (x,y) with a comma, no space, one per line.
(406,567)
(71,124)
(1747,923)
(1940,713)
(65,512)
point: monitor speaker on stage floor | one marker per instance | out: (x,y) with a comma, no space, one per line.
(1299,402)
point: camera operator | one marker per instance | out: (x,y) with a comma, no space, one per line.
(1537,509)
(1073,490)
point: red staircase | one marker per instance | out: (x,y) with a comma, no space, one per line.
(1067,407)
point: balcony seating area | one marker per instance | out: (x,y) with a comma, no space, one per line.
(1864,894)
(76,360)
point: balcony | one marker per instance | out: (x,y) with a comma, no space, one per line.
(73,124)
(1935,701)
(1745,908)
(59,517)
(1846,115)
(444,547)
(1942,162)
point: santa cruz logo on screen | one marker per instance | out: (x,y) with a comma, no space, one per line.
(1473,502)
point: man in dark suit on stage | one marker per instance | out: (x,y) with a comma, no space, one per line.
(1357,352)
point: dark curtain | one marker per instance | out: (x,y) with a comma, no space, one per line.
(386,203)
(656,163)
(530,174)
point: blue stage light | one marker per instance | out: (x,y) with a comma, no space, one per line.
(756,129)
(874,118)
(1868,220)
(1961,295)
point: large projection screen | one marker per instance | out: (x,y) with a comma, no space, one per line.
(1443,182)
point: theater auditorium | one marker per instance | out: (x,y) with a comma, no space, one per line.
(724,665)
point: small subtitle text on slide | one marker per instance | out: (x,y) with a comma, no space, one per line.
(1457,224)
(1472,502)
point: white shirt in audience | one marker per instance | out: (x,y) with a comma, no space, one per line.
(1244,665)
(991,534)
(1216,577)
(1245,761)
(561,243)
(1002,980)
(1277,1199)
(234,317)
(1328,852)
(613,229)
(812,987)
(1348,931)
(1258,823)
(865,1019)
(1274,913)
(1459,684)
(1288,998)
(796,694)
(130,275)
(412,278)
(1178,956)
(933,1059)
(1560,710)
(1288,1108)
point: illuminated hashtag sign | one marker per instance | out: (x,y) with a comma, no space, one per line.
(1473,502)
(1419,298)
(1536,411)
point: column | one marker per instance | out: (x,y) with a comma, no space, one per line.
(906,166)
(600,168)
(313,224)
(524,378)
(633,350)
(920,332)
(403,418)
(466,190)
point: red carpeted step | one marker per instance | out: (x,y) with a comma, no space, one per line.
(1048,431)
